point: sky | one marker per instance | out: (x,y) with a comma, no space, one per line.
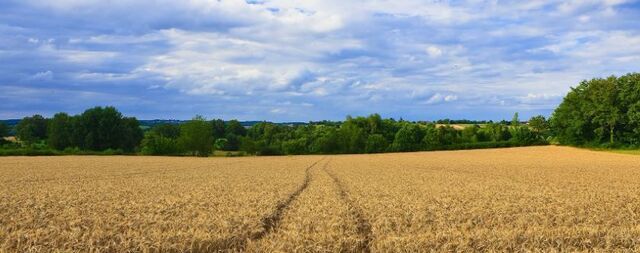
(309,60)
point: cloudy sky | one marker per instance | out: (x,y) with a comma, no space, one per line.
(308,60)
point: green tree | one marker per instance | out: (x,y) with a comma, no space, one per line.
(447,135)
(218,128)
(408,138)
(295,146)
(600,110)
(195,136)
(602,98)
(99,128)
(515,121)
(32,129)
(4,130)
(539,125)
(469,134)
(171,131)
(629,104)
(131,134)
(234,127)
(376,143)
(352,137)
(524,136)
(154,143)
(60,131)
(325,140)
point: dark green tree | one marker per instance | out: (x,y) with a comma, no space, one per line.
(408,138)
(218,128)
(195,137)
(234,127)
(60,131)
(376,143)
(295,146)
(4,130)
(352,137)
(171,131)
(32,129)
(155,143)
(131,134)
(539,125)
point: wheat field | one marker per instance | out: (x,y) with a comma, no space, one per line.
(533,199)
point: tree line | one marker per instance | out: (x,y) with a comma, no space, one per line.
(598,112)
(104,128)
(96,129)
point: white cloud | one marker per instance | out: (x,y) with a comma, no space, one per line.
(441,98)
(434,51)
(41,76)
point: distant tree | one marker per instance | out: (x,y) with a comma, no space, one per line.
(469,134)
(131,134)
(218,128)
(539,124)
(496,132)
(32,129)
(352,137)
(447,135)
(431,138)
(99,128)
(4,130)
(325,140)
(374,124)
(60,131)
(232,142)
(154,143)
(408,138)
(515,121)
(171,131)
(524,136)
(195,136)
(234,127)
(102,128)
(376,143)
(295,146)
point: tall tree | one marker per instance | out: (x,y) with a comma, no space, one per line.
(218,128)
(4,130)
(408,138)
(32,129)
(131,134)
(195,136)
(60,131)
(515,121)
(602,98)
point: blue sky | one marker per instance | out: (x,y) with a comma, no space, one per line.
(308,60)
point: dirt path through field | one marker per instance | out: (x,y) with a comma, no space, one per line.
(319,220)
(362,223)
(270,222)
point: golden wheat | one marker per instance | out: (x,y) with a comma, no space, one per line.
(540,199)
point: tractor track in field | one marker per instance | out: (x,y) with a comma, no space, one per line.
(363,225)
(269,223)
